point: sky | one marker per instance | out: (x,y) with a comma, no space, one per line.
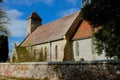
(48,10)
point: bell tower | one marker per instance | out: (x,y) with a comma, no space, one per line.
(33,21)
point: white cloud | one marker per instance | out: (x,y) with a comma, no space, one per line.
(29,2)
(14,13)
(16,26)
(67,12)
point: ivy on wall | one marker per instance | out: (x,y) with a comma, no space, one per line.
(24,55)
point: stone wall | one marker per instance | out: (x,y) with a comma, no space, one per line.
(84,70)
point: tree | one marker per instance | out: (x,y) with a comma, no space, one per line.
(104,16)
(3,48)
(3,35)
(3,21)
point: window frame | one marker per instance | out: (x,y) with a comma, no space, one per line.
(77,48)
(56,52)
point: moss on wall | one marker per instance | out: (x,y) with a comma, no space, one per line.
(68,54)
(24,54)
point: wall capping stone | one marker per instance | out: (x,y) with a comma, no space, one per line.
(71,62)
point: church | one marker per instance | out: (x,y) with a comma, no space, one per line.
(66,39)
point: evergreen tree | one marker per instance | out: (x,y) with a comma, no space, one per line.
(104,15)
(3,48)
(3,34)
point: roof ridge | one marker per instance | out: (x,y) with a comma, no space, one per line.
(61,18)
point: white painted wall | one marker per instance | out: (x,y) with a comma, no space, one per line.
(51,50)
(43,46)
(86,50)
(61,47)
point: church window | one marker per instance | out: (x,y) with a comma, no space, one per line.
(45,53)
(77,48)
(41,54)
(56,52)
(35,54)
(32,21)
(93,47)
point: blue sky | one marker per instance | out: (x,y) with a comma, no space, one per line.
(49,10)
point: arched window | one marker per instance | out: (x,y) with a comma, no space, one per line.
(93,47)
(56,52)
(45,54)
(41,54)
(77,48)
(37,54)
(34,54)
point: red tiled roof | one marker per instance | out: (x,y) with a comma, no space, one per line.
(83,31)
(49,32)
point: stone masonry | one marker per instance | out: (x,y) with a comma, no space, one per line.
(82,70)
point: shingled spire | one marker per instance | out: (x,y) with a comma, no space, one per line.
(33,21)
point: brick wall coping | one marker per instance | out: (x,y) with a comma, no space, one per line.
(70,62)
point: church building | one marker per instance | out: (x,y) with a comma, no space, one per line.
(66,39)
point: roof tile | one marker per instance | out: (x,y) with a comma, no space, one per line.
(49,32)
(83,31)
